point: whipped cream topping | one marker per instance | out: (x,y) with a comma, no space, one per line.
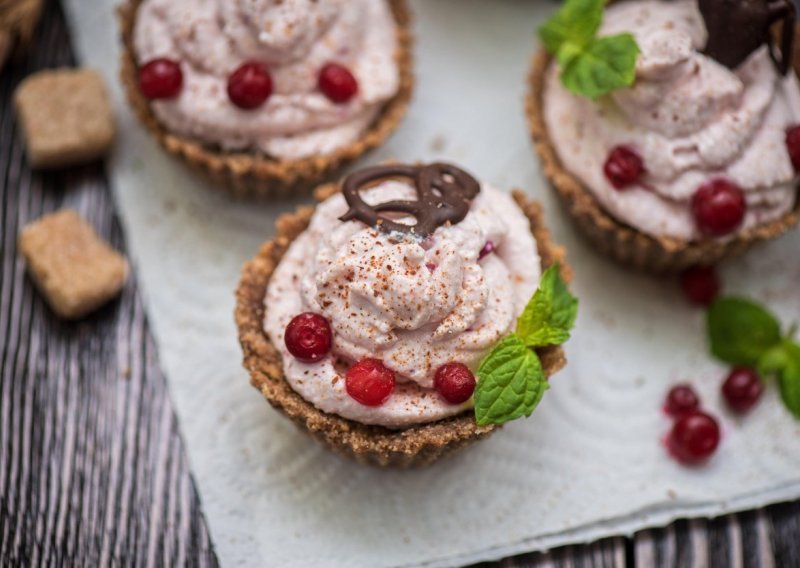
(295,39)
(687,116)
(415,304)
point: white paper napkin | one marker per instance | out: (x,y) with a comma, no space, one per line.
(587,464)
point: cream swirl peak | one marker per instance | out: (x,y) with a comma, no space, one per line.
(294,39)
(414,303)
(278,31)
(690,121)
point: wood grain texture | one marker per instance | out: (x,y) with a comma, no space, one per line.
(92,467)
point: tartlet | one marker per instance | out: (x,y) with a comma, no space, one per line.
(251,173)
(412,446)
(614,237)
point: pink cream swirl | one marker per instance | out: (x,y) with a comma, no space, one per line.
(415,304)
(295,39)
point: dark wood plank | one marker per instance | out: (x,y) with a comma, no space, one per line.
(784,533)
(92,467)
(736,540)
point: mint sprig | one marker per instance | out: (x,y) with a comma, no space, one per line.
(550,314)
(742,332)
(783,361)
(511,381)
(790,380)
(575,24)
(591,66)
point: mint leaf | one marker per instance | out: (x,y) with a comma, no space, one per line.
(550,315)
(784,360)
(740,331)
(511,383)
(774,360)
(606,64)
(575,23)
(590,66)
(790,388)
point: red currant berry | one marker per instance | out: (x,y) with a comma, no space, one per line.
(160,78)
(681,399)
(623,167)
(308,337)
(718,207)
(250,85)
(694,437)
(487,249)
(337,83)
(455,382)
(742,389)
(793,145)
(700,284)
(369,382)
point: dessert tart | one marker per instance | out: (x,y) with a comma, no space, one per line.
(267,97)
(681,147)
(394,322)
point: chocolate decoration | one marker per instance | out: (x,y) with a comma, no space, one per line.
(444,193)
(736,28)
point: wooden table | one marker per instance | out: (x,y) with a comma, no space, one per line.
(93,470)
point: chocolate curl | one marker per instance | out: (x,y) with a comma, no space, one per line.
(444,193)
(737,28)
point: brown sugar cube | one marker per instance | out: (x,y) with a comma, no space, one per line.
(65,117)
(74,268)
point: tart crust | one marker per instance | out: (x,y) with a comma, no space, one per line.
(374,445)
(617,240)
(252,174)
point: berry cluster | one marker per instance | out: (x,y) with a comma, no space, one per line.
(694,439)
(695,434)
(718,206)
(308,338)
(249,86)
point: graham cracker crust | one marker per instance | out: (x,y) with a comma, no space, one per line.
(256,175)
(373,445)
